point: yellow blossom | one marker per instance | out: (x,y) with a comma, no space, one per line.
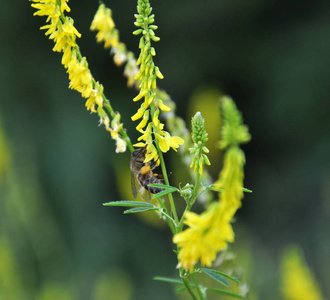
(207,234)
(105,26)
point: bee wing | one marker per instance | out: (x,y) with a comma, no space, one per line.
(133,185)
(145,194)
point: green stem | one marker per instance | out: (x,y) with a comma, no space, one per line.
(170,197)
(168,219)
(190,202)
(188,286)
(198,288)
(193,196)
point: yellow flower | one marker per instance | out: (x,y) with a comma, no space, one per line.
(207,234)
(298,282)
(166,141)
(105,26)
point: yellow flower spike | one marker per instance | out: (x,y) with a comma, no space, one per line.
(162,106)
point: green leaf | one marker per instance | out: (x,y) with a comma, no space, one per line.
(139,209)
(222,274)
(165,192)
(162,186)
(215,276)
(129,203)
(168,279)
(219,291)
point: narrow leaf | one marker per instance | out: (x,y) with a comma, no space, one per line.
(139,209)
(163,193)
(162,186)
(168,279)
(219,291)
(246,190)
(223,274)
(215,276)
(129,203)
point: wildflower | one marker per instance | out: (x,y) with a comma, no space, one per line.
(207,234)
(147,75)
(298,282)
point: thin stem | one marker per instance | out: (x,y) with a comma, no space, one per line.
(168,218)
(198,288)
(170,197)
(188,286)
(193,196)
(189,203)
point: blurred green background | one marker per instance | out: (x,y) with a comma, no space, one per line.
(57,166)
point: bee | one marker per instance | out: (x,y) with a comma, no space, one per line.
(143,174)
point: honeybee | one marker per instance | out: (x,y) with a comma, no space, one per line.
(143,174)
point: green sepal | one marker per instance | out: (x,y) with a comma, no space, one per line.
(219,291)
(139,209)
(168,279)
(246,190)
(189,186)
(222,274)
(213,274)
(128,203)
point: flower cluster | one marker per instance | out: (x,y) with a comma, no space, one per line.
(207,234)
(210,232)
(150,127)
(62,31)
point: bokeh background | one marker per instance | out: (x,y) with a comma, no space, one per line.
(57,166)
